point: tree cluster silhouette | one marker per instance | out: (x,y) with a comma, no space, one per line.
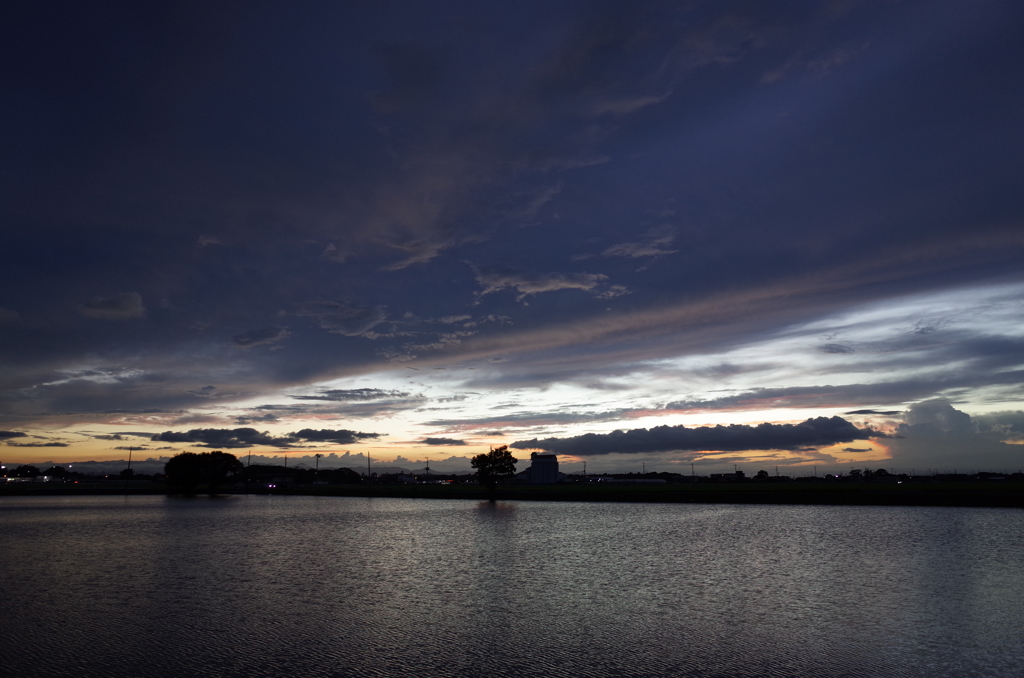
(493,466)
(187,471)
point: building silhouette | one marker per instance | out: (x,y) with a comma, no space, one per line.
(543,470)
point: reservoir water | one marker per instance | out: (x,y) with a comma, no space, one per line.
(302,586)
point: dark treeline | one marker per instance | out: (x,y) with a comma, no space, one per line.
(219,472)
(191,472)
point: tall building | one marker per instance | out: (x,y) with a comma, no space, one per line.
(543,469)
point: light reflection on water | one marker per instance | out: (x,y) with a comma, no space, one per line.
(271,586)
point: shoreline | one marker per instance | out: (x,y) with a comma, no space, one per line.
(990,494)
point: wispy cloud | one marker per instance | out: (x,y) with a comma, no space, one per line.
(497,278)
(343,318)
(652,245)
(117,307)
(268,336)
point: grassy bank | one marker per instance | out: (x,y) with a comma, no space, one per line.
(995,494)
(965,493)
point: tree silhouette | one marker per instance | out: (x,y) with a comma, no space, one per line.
(25,471)
(219,467)
(494,466)
(188,470)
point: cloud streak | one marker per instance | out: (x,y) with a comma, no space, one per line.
(443,441)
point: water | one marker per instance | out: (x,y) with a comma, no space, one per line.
(271,586)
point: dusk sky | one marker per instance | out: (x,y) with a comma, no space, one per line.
(636,234)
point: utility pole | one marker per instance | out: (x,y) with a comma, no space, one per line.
(317,471)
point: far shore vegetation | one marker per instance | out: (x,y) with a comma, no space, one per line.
(221,473)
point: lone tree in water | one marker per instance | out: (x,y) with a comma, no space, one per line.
(494,466)
(188,470)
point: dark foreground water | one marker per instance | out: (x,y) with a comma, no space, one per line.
(304,586)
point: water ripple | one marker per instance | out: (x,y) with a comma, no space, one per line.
(337,587)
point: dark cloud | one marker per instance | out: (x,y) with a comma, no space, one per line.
(206,391)
(340,405)
(268,418)
(1010,422)
(289,409)
(818,431)
(12,444)
(11,434)
(248,437)
(336,436)
(534,418)
(887,413)
(938,415)
(443,441)
(226,438)
(119,306)
(353,395)
(452,399)
(937,435)
(858,449)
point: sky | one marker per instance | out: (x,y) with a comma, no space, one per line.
(666,236)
